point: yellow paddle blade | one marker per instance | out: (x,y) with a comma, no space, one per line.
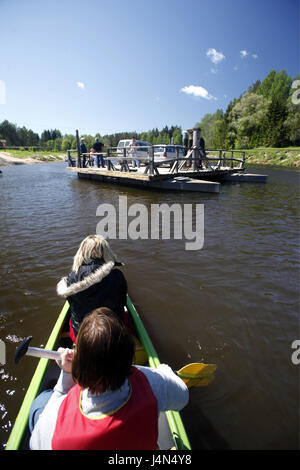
(198,382)
(196,370)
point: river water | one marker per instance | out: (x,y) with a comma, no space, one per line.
(235,302)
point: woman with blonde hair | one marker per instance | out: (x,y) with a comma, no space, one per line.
(93,282)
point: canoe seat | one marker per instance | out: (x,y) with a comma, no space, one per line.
(140,356)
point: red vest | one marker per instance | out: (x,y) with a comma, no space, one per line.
(134,426)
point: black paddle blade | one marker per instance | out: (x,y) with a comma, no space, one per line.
(22,349)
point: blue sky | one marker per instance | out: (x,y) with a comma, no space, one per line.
(133,65)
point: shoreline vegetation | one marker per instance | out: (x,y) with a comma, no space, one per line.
(265,156)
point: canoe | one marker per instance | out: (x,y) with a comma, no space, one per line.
(172,434)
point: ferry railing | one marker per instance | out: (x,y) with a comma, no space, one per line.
(195,159)
(222,156)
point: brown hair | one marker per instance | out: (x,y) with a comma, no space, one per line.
(104,352)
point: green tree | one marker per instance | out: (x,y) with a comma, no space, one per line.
(276,85)
(254,87)
(8,131)
(22,135)
(267,84)
(230,131)
(68,142)
(246,118)
(32,138)
(274,128)
(177,136)
(49,145)
(58,144)
(45,136)
(55,134)
(218,134)
(212,128)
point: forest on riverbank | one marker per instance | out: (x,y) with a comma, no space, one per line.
(264,116)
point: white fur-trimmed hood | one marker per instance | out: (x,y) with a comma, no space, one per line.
(63,290)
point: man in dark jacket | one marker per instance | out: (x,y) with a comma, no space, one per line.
(83,150)
(98,146)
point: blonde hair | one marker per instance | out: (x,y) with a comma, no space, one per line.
(93,246)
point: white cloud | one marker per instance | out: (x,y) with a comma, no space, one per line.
(80,85)
(215,56)
(198,91)
(243,54)
(235,67)
(213,70)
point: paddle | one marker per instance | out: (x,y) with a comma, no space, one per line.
(197,374)
(193,375)
(24,349)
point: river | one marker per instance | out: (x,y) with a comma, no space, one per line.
(235,302)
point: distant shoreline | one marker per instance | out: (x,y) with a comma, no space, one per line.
(282,157)
(11,159)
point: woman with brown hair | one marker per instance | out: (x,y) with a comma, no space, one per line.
(102,401)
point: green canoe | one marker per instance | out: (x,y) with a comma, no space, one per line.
(171,429)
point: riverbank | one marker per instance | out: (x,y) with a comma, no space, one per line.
(282,157)
(287,157)
(25,157)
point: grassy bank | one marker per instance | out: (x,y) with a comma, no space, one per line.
(289,157)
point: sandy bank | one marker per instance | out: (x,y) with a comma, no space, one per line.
(7,159)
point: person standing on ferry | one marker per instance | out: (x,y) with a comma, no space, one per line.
(98,147)
(134,154)
(83,151)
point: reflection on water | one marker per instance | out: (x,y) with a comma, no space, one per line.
(234,303)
